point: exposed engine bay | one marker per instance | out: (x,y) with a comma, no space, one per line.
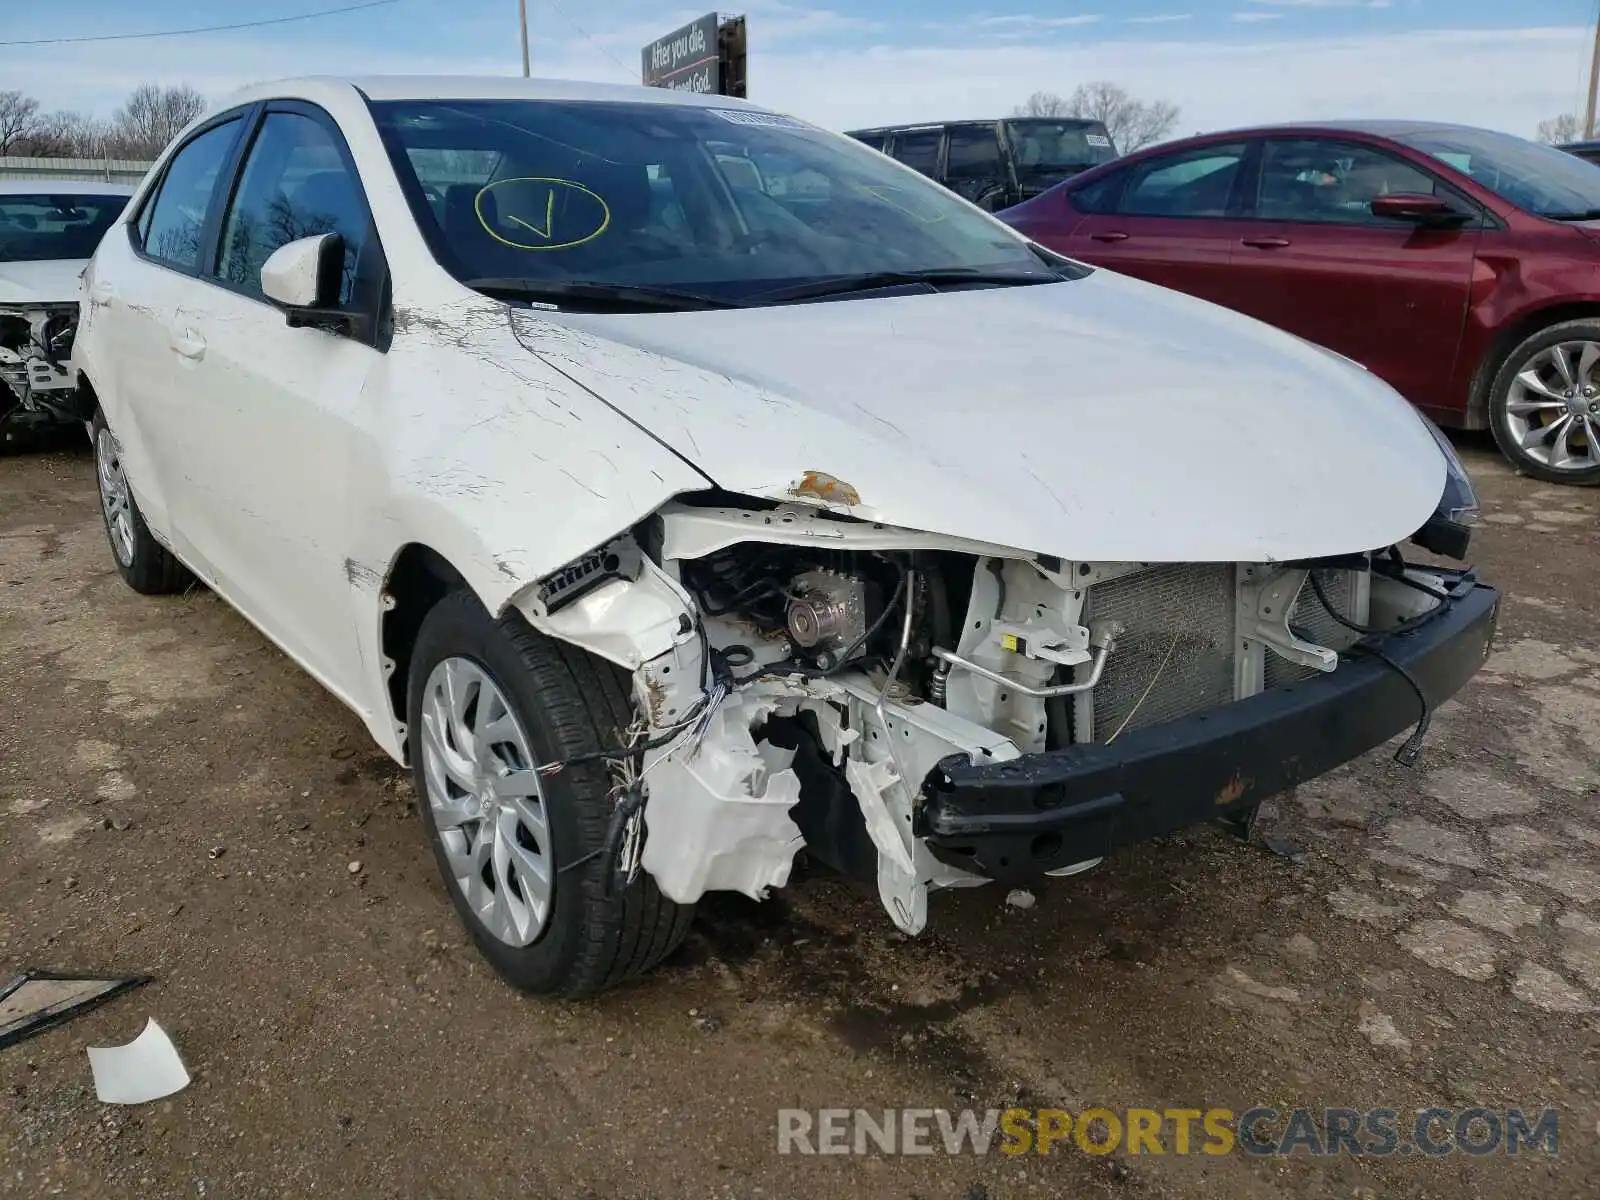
(36,360)
(803,677)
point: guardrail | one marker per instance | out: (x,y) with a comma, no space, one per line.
(109,170)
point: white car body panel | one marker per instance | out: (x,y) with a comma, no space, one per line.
(52,281)
(1157,428)
(1100,421)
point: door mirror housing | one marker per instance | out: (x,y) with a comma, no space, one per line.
(304,273)
(1421,208)
(303,278)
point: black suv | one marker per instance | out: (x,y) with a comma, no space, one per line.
(996,164)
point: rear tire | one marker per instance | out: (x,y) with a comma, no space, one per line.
(524,696)
(144,564)
(1539,427)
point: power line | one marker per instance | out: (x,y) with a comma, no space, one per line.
(129,37)
(628,71)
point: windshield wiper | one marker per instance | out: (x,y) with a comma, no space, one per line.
(869,281)
(624,295)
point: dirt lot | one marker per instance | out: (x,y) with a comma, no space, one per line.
(177,798)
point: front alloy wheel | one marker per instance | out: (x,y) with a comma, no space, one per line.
(486,802)
(1546,404)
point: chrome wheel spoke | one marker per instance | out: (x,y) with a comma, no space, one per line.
(1522,408)
(1563,365)
(533,877)
(1530,380)
(1539,436)
(1587,358)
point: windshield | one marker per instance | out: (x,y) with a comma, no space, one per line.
(54,225)
(1048,151)
(720,203)
(1539,178)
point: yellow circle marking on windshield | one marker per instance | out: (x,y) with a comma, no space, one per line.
(876,191)
(539,221)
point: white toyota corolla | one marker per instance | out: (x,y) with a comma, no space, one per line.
(677,486)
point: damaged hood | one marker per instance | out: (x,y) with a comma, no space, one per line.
(1098,419)
(50,281)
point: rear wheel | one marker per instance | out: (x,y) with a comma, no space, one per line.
(1544,404)
(144,564)
(523,854)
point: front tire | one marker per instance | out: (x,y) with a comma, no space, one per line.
(144,564)
(1544,404)
(488,701)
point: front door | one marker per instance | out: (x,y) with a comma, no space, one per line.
(1171,219)
(277,412)
(1315,260)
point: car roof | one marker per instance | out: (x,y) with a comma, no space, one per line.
(55,185)
(467,87)
(1374,127)
(913,126)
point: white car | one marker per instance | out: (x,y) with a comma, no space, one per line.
(676,485)
(48,230)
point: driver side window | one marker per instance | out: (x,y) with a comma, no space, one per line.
(294,185)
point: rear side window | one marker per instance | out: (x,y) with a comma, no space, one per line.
(174,221)
(919,150)
(1192,183)
(294,185)
(876,140)
(1101,195)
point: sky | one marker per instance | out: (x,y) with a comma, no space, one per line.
(850,63)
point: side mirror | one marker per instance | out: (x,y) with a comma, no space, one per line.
(1422,208)
(304,273)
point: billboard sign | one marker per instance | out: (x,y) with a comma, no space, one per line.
(687,59)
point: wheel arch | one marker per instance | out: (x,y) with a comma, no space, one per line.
(1508,339)
(417,579)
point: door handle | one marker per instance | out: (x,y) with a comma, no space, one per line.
(1109,236)
(188,343)
(1266,243)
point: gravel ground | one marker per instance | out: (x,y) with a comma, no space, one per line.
(177,798)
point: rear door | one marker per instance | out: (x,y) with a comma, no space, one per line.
(1315,260)
(136,291)
(974,167)
(1172,219)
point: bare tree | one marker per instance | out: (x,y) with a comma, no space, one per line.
(1041,104)
(1131,123)
(1560,130)
(151,117)
(18,116)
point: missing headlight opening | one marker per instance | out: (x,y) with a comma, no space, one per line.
(35,360)
(928,713)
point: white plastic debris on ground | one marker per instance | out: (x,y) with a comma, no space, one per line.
(146,1069)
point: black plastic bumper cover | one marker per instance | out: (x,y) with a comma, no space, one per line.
(1015,820)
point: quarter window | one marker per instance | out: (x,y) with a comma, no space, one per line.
(175,220)
(919,150)
(1313,179)
(294,185)
(1194,183)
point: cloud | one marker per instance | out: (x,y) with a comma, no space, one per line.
(1247,17)
(1158,19)
(1324,3)
(1031,22)
(1503,78)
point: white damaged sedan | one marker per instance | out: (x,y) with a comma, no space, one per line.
(677,487)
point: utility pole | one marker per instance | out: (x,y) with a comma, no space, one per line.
(1594,78)
(522,10)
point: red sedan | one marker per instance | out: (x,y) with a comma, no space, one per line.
(1458,264)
